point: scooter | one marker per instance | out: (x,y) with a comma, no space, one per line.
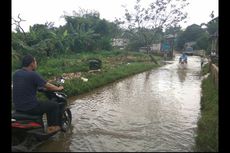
(182,63)
(29,131)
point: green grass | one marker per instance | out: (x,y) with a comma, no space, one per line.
(77,86)
(115,65)
(205,69)
(50,67)
(207,132)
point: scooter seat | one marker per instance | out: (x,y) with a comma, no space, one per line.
(23,116)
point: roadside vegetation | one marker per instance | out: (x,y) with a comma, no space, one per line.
(207,132)
(73,67)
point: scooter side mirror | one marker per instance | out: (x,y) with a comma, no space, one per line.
(61,81)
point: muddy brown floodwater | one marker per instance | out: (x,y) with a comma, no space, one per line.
(152,111)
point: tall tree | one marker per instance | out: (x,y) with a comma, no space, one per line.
(212,26)
(173,30)
(159,14)
(191,33)
(86,31)
(18,26)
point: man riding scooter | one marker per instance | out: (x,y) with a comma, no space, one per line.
(25,85)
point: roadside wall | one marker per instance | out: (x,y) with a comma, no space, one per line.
(214,73)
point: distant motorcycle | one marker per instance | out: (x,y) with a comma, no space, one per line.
(28,131)
(183,63)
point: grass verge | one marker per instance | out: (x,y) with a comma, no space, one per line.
(207,132)
(115,65)
(77,86)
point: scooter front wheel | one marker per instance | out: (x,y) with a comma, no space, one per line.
(66,119)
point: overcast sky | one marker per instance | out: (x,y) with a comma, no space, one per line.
(41,11)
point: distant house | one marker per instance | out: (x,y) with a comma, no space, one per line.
(143,49)
(119,43)
(154,48)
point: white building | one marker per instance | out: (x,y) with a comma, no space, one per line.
(119,43)
(154,48)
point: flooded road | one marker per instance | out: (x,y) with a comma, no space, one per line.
(156,110)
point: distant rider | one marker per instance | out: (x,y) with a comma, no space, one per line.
(183,58)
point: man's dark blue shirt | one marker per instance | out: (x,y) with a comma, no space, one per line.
(25,85)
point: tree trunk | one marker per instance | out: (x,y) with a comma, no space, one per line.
(153,59)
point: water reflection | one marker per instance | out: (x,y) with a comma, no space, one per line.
(182,73)
(60,141)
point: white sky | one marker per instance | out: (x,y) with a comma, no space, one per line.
(41,11)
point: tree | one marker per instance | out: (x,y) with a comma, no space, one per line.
(19,45)
(159,14)
(202,42)
(191,33)
(212,26)
(18,26)
(81,36)
(42,38)
(173,30)
(86,31)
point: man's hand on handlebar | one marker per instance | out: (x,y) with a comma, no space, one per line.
(52,87)
(60,88)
